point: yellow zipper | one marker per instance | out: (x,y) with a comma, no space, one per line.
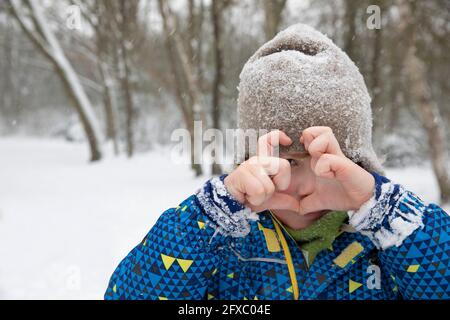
(274,217)
(287,254)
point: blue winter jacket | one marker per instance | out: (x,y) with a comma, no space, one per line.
(211,247)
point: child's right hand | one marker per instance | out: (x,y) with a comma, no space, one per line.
(256,182)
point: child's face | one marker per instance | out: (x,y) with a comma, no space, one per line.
(303,183)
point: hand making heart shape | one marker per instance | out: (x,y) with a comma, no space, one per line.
(257,182)
(340,184)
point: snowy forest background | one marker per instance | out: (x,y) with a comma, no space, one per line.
(88,105)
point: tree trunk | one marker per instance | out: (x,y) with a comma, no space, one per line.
(432,123)
(272,13)
(128,16)
(129,106)
(216,16)
(177,52)
(350,31)
(109,105)
(103,25)
(428,110)
(199,50)
(9,88)
(395,91)
(44,39)
(376,69)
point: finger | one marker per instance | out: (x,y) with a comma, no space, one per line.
(333,167)
(351,176)
(269,141)
(282,178)
(280,201)
(326,141)
(311,203)
(312,132)
(252,188)
(278,168)
(259,173)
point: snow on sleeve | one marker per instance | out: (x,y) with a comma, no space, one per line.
(390,216)
(229,216)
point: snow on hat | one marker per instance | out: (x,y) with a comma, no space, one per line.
(301,79)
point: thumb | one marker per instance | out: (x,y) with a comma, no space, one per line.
(280,201)
(356,182)
(333,167)
(310,204)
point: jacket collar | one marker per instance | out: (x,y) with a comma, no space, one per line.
(346,250)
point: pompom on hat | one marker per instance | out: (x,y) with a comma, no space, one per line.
(301,79)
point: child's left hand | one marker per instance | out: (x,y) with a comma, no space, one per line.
(341,183)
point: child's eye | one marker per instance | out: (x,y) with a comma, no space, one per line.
(292,162)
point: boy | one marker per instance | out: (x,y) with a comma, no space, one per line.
(319,222)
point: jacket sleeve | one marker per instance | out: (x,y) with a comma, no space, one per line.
(177,258)
(413,239)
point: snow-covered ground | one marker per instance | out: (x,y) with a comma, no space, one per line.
(65,224)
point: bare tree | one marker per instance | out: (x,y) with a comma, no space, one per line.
(272,13)
(30,17)
(101,18)
(218,6)
(127,20)
(350,12)
(117,35)
(197,19)
(193,109)
(10,91)
(376,71)
(428,110)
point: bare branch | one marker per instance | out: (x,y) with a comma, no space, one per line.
(29,31)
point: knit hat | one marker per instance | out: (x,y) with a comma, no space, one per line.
(301,79)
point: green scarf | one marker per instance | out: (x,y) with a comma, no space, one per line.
(318,236)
